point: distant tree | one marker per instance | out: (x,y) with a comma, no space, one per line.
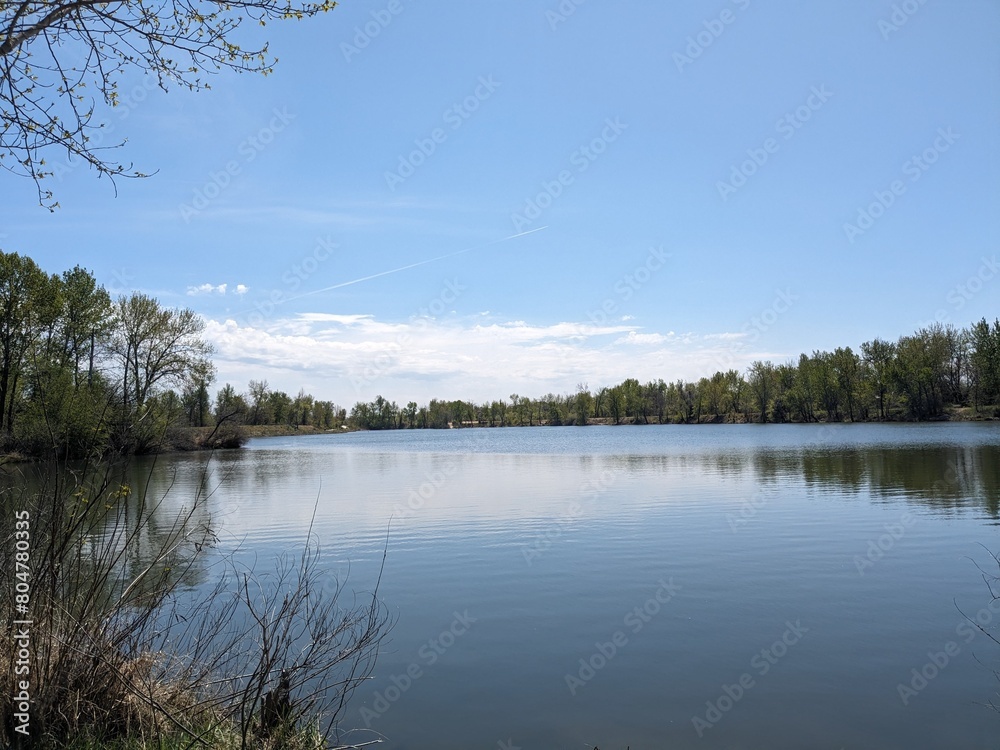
(552,412)
(985,362)
(920,371)
(631,393)
(29,302)
(230,406)
(879,355)
(956,343)
(515,408)
(438,414)
(658,391)
(300,411)
(647,401)
(825,384)
(696,398)
(736,387)
(258,394)
(688,401)
(279,404)
(847,371)
(195,399)
(784,386)
(361,417)
(616,404)
(323,415)
(155,347)
(384,412)
(498,411)
(803,395)
(601,402)
(716,393)
(581,404)
(540,408)
(85,320)
(761,377)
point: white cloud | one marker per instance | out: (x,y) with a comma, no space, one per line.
(220,289)
(725,336)
(352,357)
(194,291)
(644,339)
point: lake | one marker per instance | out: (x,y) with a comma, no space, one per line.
(714,586)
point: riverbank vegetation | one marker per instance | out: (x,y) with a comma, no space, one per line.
(83,374)
(132,632)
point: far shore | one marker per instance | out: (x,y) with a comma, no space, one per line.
(190,439)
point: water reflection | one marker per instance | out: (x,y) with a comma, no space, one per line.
(125,521)
(947,477)
(270,494)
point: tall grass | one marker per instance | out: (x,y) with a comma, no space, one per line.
(126,653)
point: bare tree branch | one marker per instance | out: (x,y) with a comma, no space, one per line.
(54,53)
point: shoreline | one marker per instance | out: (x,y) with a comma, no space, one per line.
(194,439)
(959,415)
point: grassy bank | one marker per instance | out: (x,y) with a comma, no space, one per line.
(179,439)
(225,436)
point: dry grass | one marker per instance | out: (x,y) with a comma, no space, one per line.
(125,655)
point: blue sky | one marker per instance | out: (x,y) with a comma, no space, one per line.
(711,183)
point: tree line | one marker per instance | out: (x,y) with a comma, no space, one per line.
(923,376)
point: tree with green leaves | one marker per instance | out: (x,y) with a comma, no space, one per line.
(632,399)
(498,412)
(280,405)
(736,387)
(616,403)
(195,399)
(784,386)
(230,405)
(879,356)
(257,400)
(581,404)
(66,399)
(716,393)
(29,306)
(301,408)
(156,347)
(985,362)
(847,372)
(920,371)
(761,377)
(85,320)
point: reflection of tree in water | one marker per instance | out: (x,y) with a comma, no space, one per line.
(153,518)
(944,477)
(120,534)
(939,476)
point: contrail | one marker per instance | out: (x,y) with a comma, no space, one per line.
(411,265)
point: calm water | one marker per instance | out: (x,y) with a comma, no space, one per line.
(608,586)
